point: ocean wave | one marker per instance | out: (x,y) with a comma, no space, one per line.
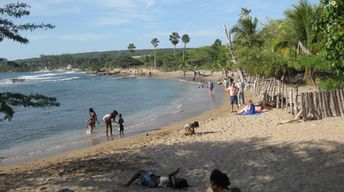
(61,79)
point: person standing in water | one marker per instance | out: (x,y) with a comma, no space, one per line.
(91,123)
(120,124)
(107,121)
(211,87)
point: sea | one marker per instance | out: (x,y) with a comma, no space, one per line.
(145,103)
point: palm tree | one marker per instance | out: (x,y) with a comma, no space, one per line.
(155,43)
(185,39)
(245,30)
(300,33)
(174,38)
(131,48)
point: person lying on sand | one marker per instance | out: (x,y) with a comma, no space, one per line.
(250,109)
(220,182)
(150,179)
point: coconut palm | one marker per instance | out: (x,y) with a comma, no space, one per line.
(174,38)
(131,48)
(185,39)
(155,43)
(299,31)
(245,31)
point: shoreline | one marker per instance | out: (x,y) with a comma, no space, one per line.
(256,152)
(22,157)
(116,144)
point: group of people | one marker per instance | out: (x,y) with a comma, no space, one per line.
(219,181)
(108,119)
(236,94)
(235,90)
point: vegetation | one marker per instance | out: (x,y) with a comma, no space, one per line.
(10,30)
(307,43)
(174,38)
(186,40)
(155,43)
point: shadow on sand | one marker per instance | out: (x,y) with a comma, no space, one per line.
(252,165)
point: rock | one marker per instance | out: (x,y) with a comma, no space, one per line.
(65,190)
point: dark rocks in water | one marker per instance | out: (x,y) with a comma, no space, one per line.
(65,190)
(15,80)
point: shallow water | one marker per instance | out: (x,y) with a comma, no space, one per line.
(145,103)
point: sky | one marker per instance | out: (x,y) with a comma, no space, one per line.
(104,25)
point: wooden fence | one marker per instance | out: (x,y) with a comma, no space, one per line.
(305,105)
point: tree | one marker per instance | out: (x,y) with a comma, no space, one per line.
(331,25)
(185,39)
(245,31)
(131,48)
(10,30)
(301,34)
(8,100)
(155,43)
(174,38)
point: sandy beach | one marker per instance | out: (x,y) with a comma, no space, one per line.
(257,153)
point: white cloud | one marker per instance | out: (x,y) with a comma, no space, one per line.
(83,37)
(110,21)
(39,37)
(127,3)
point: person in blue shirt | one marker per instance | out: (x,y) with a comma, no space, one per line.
(250,109)
(211,87)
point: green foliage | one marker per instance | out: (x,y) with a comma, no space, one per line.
(331,24)
(332,82)
(10,30)
(131,48)
(125,61)
(174,38)
(8,100)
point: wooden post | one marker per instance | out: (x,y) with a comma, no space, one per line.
(290,108)
(335,102)
(341,91)
(340,102)
(278,102)
(296,99)
(274,90)
(328,104)
(323,104)
(303,107)
(286,96)
(317,105)
(312,111)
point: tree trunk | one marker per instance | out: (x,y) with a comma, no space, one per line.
(155,58)
(184,52)
(230,49)
(174,51)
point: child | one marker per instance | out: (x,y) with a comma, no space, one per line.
(91,123)
(120,123)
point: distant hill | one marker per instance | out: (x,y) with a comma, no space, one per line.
(99,54)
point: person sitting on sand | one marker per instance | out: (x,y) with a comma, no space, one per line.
(149,179)
(107,121)
(120,124)
(250,109)
(91,123)
(220,182)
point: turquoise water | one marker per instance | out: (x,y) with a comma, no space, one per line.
(145,103)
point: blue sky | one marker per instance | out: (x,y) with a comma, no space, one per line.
(102,25)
